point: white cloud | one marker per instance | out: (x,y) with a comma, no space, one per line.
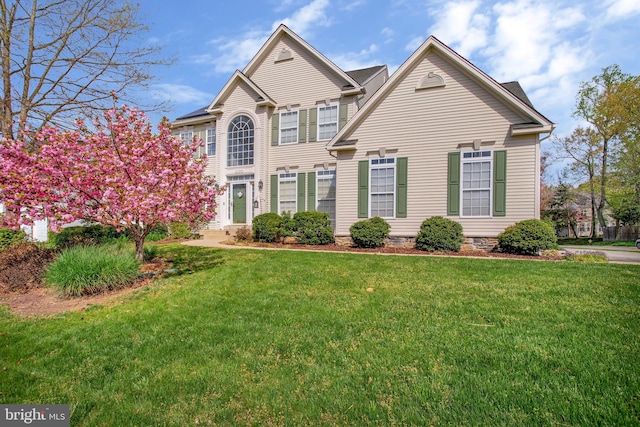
(352,4)
(181,94)
(621,9)
(308,17)
(414,43)
(233,54)
(387,33)
(528,35)
(460,26)
(356,60)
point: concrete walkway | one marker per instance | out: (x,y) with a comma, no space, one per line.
(615,254)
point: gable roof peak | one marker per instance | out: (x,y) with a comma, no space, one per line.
(261,99)
(351,85)
(542,124)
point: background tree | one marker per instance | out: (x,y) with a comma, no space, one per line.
(583,148)
(61,59)
(562,210)
(626,201)
(121,175)
(601,102)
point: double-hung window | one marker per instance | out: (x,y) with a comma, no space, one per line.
(211,142)
(287,192)
(327,122)
(382,187)
(186,137)
(289,127)
(326,193)
(476,183)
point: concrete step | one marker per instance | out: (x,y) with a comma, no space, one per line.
(213,233)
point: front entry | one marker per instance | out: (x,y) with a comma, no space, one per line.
(239,192)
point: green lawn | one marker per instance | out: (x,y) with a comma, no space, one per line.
(250,337)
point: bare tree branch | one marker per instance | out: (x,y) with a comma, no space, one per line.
(62,59)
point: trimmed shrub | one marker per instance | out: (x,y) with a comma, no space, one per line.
(312,228)
(527,237)
(439,234)
(85,235)
(179,230)
(9,237)
(83,270)
(370,233)
(267,227)
(22,265)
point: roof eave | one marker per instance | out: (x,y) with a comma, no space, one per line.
(192,121)
(528,130)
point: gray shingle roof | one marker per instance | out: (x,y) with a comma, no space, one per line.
(364,74)
(516,89)
(199,112)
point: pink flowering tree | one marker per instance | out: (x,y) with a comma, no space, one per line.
(119,174)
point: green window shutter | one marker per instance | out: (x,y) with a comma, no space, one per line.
(401,188)
(500,183)
(302,126)
(275,128)
(342,115)
(311,192)
(313,124)
(301,192)
(453,184)
(274,193)
(363,189)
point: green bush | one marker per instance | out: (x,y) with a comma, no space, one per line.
(179,230)
(86,235)
(440,234)
(312,228)
(9,237)
(370,233)
(82,270)
(527,237)
(267,227)
(159,232)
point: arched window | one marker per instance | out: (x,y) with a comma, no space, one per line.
(240,142)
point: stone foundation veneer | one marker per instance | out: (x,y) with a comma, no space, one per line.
(469,244)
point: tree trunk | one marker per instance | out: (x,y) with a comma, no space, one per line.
(139,240)
(603,183)
(593,207)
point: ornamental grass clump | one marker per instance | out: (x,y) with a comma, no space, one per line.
(84,270)
(440,234)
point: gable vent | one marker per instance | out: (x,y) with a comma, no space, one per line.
(284,55)
(429,81)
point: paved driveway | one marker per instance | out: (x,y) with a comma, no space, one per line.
(621,254)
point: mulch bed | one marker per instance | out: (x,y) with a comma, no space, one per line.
(395,250)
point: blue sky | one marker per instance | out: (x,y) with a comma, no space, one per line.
(549,46)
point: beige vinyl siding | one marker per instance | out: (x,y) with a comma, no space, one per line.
(424,126)
(372,87)
(301,80)
(304,82)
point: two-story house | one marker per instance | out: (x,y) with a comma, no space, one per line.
(293,132)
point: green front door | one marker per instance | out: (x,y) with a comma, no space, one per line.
(239,203)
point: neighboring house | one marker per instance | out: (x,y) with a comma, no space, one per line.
(293,132)
(581,206)
(38,232)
